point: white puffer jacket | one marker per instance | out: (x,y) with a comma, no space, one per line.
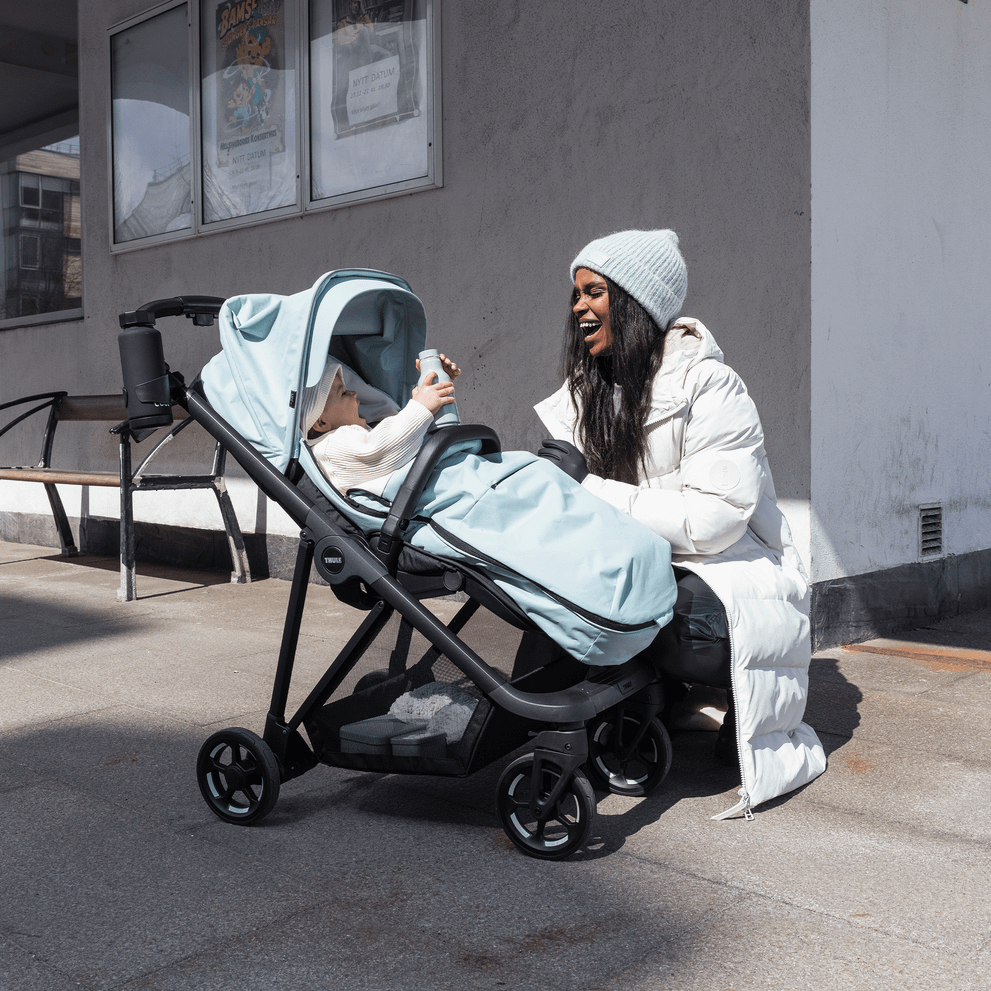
(709,492)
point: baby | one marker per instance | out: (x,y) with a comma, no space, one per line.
(352,454)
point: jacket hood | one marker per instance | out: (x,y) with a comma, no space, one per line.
(688,342)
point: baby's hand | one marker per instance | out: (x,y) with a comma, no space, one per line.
(434,394)
(449,366)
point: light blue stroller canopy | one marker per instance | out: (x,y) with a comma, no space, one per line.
(276,347)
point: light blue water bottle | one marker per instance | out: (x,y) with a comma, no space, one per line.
(446,416)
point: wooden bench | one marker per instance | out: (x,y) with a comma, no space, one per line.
(61,406)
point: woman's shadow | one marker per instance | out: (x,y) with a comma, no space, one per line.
(832,710)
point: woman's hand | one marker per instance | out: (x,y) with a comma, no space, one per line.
(434,394)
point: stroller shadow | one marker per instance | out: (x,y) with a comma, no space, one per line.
(470,801)
(832,710)
(694,774)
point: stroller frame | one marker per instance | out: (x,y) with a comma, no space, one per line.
(606,720)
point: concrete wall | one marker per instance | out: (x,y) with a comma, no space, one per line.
(901,210)
(562,121)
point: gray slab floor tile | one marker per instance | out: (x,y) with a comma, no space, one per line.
(29,700)
(89,888)
(763,944)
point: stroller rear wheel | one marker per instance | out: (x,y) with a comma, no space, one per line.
(238,775)
(565,825)
(624,756)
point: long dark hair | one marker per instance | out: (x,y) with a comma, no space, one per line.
(615,439)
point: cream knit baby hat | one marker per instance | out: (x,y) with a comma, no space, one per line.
(647,264)
(315,398)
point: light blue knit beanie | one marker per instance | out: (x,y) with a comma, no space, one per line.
(647,264)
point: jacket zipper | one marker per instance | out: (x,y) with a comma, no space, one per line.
(745,795)
(496,485)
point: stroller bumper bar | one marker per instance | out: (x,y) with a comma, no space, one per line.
(434,448)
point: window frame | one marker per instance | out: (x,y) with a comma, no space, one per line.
(305,204)
(22,186)
(165,236)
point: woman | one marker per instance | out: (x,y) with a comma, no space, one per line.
(666,432)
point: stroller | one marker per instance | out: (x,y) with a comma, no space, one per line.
(447,711)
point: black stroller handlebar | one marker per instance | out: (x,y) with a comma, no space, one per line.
(202,310)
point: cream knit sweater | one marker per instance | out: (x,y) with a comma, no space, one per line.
(364,457)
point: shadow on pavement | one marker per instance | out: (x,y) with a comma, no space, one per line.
(30,626)
(833,706)
(112,811)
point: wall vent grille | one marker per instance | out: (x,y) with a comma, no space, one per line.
(930,530)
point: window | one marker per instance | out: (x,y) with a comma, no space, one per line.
(248,107)
(30,251)
(30,191)
(368,121)
(233,112)
(41,199)
(40,243)
(150,129)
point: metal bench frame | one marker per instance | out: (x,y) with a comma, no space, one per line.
(62,406)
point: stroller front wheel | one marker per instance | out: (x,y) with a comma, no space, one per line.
(238,775)
(565,825)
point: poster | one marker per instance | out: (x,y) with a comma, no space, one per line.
(371,120)
(248,108)
(374,64)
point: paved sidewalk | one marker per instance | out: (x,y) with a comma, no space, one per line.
(115,875)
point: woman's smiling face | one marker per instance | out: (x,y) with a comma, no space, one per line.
(591,307)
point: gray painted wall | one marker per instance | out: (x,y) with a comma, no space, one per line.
(562,121)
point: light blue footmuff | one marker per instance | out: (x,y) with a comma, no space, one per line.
(596,581)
